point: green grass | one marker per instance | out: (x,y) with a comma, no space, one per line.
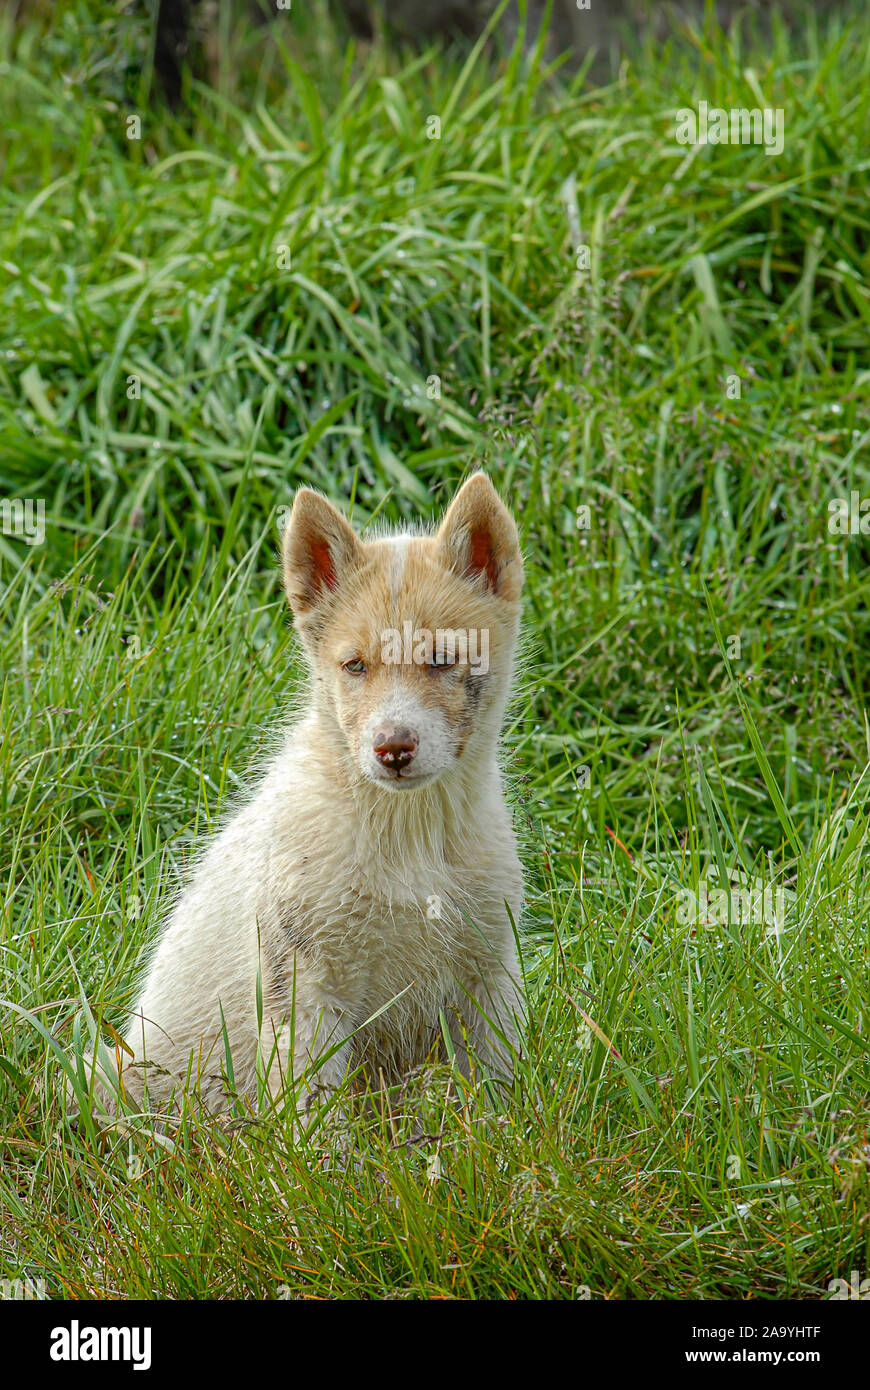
(690,1115)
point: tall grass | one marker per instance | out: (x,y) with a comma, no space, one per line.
(690,1113)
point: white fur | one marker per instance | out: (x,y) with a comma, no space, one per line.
(399,545)
(436,748)
(382,881)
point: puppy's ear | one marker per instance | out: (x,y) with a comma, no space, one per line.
(319,550)
(478,539)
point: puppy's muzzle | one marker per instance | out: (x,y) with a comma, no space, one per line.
(395,748)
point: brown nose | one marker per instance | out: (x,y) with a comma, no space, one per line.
(395,748)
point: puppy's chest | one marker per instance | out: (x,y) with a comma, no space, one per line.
(384,928)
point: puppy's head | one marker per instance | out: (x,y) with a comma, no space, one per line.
(410,638)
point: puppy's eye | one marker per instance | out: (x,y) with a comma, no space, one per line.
(443,661)
(355,667)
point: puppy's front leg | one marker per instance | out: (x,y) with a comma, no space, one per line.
(490,1010)
(305,1039)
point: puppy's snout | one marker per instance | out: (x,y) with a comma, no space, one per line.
(395,747)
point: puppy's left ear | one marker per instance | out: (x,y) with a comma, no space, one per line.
(478,539)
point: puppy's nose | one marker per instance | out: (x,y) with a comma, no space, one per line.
(395,747)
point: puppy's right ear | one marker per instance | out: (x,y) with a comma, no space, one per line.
(319,549)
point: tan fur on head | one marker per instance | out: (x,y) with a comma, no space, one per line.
(477,540)
(346,594)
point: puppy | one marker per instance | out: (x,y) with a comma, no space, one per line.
(365,895)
